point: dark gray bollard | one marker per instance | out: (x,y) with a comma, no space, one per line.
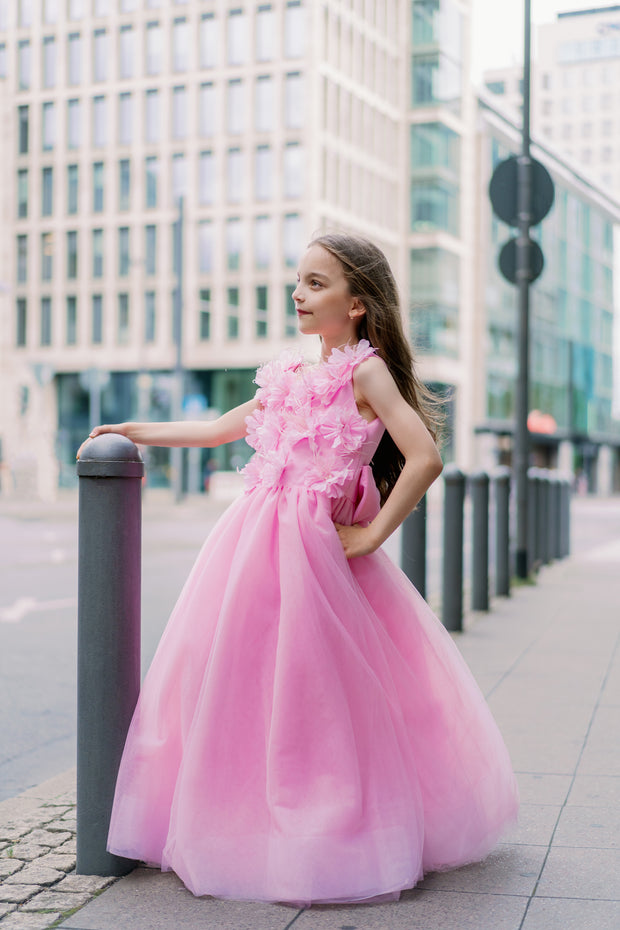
(533,555)
(501,483)
(452,593)
(110,472)
(543,516)
(479,483)
(554,516)
(566,493)
(413,547)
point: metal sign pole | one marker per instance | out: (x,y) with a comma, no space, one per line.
(523,275)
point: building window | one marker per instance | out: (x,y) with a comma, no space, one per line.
(435,289)
(207,40)
(434,145)
(151,170)
(22,259)
(23,64)
(47,191)
(154,48)
(180,45)
(50,11)
(232,318)
(207,112)
(125,119)
(290,314)
(127,55)
(205,246)
(99,121)
(21,322)
(72,254)
(294,30)
(97,319)
(124,184)
(233,243)
(98,188)
(434,205)
(206,178)
(123,251)
(234,175)
(76,9)
(47,256)
(49,61)
(97,253)
(22,193)
(71,331)
(122,329)
(128,6)
(179,176)
(46,321)
(72,189)
(150,249)
(74,59)
(293,170)
(204,324)
(100,55)
(262,241)
(151,116)
(74,124)
(237,37)
(3,60)
(294,101)
(24,8)
(23,130)
(179,112)
(436,80)
(150,318)
(264,111)
(292,243)
(261,312)
(49,127)
(265,34)
(263,173)
(235,106)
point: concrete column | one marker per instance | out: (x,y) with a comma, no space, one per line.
(604,471)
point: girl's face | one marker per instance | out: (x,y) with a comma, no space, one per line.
(323,302)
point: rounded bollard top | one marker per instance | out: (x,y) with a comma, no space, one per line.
(110,455)
(479,477)
(502,473)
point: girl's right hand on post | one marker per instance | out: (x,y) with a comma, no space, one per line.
(97,431)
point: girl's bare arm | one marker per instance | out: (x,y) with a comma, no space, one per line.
(375,385)
(206,433)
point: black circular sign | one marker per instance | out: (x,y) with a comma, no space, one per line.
(508,260)
(503,191)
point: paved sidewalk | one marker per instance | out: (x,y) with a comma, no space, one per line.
(548,660)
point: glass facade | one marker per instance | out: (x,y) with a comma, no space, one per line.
(434,302)
(571,313)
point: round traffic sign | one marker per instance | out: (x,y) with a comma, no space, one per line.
(508,260)
(503,191)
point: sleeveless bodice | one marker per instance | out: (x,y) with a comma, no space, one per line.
(307,431)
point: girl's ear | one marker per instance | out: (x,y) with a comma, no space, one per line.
(357,309)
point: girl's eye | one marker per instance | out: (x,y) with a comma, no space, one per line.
(315,283)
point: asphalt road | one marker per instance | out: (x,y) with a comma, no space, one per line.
(38,601)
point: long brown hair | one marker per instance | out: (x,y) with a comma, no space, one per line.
(370,278)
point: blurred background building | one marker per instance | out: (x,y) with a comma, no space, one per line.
(270,121)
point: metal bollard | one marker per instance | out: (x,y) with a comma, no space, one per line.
(565,517)
(533,554)
(110,472)
(479,483)
(452,593)
(554,516)
(413,547)
(543,516)
(501,482)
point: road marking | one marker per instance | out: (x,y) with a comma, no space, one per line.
(26,605)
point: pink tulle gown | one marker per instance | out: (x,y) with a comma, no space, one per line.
(308,731)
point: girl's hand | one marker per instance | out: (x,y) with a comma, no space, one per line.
(356,540)
(97,431)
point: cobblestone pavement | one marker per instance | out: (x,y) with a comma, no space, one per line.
(38,884)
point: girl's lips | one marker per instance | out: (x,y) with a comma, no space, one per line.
(302,312)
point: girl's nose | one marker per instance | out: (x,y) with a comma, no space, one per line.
(295,295)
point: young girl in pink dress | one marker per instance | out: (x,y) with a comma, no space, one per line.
(308,731)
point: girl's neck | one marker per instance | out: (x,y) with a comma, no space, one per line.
(328,345)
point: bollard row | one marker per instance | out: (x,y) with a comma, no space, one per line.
(549,496)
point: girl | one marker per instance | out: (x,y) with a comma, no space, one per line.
(308,731)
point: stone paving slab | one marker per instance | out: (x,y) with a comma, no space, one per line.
(572,914)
